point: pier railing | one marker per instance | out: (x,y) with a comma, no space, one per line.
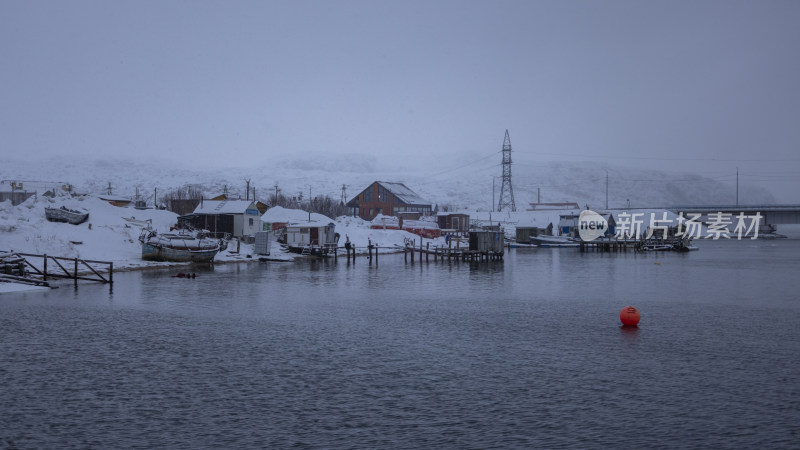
(70,268)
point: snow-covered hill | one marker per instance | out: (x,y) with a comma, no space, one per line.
(462,183)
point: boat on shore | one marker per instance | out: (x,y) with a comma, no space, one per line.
(179,247)
(543,241)
(63,214)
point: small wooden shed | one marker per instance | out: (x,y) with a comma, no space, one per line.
(486,241)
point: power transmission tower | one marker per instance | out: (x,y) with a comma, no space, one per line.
(344,194)
(506,191)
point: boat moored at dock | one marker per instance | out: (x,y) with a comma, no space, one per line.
(543,241)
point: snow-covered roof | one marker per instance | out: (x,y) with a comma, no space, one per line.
(405,194)
(285,215)
(224,207)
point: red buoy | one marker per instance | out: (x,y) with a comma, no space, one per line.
(629,316)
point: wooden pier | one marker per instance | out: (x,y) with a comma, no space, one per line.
(452,254)
(437,253)
(636,245)
(610,245)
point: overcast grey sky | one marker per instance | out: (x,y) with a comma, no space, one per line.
(703,85)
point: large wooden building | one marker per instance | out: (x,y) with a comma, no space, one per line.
(390,199)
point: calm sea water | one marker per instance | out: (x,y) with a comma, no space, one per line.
(527,353)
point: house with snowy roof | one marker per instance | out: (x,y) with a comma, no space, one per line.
(389,199)
(237,217)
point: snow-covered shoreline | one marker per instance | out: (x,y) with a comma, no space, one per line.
(108,236)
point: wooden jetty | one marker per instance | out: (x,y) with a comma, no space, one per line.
(449,253)
(636,245)
(484,245)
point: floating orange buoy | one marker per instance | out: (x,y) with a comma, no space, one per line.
(629,316)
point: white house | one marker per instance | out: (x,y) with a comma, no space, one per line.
(237,217)
(315,237)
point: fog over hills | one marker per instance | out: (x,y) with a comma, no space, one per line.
(471,183)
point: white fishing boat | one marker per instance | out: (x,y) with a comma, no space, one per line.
(543,241)
(181,247)
(63,214)
(658,247)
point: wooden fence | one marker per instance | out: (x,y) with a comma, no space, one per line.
(82,269)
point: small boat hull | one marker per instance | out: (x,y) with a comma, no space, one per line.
(178,247)
(65,215)
(553,242)
(161,253)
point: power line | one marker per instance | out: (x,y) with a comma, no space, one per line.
(662,158)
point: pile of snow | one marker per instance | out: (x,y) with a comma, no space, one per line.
(354,229)
(360,234)
(383,222)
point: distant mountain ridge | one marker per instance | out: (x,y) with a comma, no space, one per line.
(469,186)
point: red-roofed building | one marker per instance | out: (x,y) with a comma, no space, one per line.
(389,199)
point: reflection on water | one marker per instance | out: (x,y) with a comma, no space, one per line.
(524,353)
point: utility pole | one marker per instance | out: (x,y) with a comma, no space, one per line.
(737,186)
(606,189)
(247,189)
(506,191)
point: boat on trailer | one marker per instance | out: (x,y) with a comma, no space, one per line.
(64,214)
(179,247)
